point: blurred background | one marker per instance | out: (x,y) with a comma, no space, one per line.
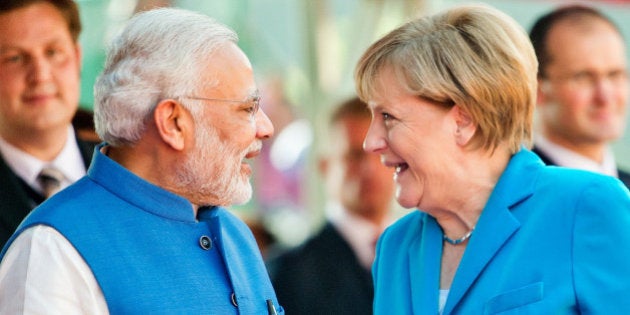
(303,53)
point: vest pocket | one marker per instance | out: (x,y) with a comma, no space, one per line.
(515,298)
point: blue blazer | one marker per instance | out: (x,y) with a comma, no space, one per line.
(550,240)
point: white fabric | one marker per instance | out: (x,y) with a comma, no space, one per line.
(360,233)
(442,301)
(58,281)
(568,158)
(69,162)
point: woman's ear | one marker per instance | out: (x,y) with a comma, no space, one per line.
(172,123)
(465,128)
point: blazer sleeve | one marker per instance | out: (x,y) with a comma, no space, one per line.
(601,248)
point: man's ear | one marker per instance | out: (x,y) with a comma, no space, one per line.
(465,128)
(172,123)
(542,92)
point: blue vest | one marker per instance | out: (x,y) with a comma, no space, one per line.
(149,254)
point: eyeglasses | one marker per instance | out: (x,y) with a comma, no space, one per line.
(254,101)
(586,80)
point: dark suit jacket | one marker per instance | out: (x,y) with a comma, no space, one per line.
(623,176)
(17,198)
(323,276)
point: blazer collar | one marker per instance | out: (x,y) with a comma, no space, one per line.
(496,224)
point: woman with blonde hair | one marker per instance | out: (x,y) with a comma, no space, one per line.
(452,97)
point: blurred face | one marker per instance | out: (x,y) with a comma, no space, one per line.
(357,178)
(415,137)
(585,93)
(226,134)
(39,71)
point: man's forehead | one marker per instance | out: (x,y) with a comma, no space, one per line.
(229,79)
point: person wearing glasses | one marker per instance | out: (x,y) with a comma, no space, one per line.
(583,89)
(147,231)
(452,97)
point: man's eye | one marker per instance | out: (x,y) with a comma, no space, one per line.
(620,75)
(57,55)
(253,106)
(387,116)
(582,78)
(12,59)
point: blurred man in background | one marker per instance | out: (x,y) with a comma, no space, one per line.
(583,89)
(39,94)
(330,272)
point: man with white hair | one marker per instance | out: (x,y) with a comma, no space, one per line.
(145,231)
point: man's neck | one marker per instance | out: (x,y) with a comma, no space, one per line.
(562,156)
(591,150)
(44,145)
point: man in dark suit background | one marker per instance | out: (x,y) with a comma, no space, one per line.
(582,89)
(39,95)
(330,272)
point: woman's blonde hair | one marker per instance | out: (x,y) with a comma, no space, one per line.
(473,56)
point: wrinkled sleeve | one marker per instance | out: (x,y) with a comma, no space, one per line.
(42,273)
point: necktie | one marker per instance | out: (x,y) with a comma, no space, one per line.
(50,179)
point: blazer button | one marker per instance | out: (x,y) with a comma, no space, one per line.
(233,297)
(205,242)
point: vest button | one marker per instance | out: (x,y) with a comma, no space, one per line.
(205,242)
(233,297)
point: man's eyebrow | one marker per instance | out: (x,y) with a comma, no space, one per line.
(5,49)
(254,94)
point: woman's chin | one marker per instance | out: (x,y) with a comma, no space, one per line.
(406,201)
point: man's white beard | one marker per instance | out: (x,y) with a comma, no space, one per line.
(212,173)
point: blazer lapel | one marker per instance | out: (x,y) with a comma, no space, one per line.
(487,239)
(424,261)
(496,224)
(15,203)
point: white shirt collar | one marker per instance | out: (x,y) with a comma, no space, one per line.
(360,233)
(27,167)
(567,158)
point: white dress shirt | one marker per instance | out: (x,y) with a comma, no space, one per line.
(360,233)
(69,162)
(567,158)
(442,300)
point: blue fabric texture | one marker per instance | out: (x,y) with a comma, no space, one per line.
(550,240)
(148,252)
